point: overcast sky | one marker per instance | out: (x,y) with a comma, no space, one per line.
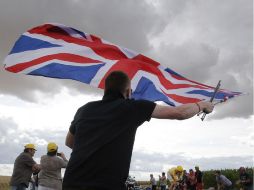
(204,40)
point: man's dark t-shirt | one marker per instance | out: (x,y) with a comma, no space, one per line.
(104,133)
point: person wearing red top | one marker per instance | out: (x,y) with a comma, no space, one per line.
(192,180)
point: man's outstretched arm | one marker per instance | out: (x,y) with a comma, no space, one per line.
(181,112)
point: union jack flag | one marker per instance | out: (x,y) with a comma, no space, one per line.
(59,51)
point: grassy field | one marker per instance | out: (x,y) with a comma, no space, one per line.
(4,182)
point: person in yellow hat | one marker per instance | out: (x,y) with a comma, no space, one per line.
(51,164)
(175,175)
(24,166)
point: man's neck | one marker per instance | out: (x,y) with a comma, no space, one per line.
(112,95)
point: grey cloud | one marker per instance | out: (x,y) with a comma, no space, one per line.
(220,49)
(202,62)
(25,87)
(7,125)
(13,139)
(192,60)
(8,145)
(170,9)
(113,21)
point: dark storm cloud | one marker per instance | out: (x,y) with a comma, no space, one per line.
(215,43)
(217,40)
(126,24)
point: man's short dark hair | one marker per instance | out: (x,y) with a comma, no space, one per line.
(116,81)
(26,150)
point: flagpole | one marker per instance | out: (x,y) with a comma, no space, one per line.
(213,96)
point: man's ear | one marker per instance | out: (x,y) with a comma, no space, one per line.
(127,94)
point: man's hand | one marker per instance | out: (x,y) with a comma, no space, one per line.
(206,107)
(62,155)
(36,168)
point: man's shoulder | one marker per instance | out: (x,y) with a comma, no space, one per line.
(172,170)
(131,100)
(139,102)
(119,100)
(89,104)
(45,157)
(92,103)
(50,159)
(25,155)
(223,177)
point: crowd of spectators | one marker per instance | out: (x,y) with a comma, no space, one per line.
(179,179)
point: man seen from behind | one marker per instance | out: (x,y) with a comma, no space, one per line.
(102,134)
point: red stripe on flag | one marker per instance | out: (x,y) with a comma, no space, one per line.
(202,86)
(145,59)
(96,39)
(61,56)
(131,67)
(182,99)
(48,28)
(105,50)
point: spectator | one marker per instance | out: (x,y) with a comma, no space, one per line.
(199,177)
(192,180)
(163,181)
(223,183)
(153,182)
(130,183)
(185,180)
(50,175)
(102,134)
(24,166)
(175,175)
(245,179)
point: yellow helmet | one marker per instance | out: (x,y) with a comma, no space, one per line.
(52,147)
(31,146)
(179,168)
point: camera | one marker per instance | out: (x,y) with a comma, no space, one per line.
(58,154)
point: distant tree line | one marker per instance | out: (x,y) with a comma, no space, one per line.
(209,177)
